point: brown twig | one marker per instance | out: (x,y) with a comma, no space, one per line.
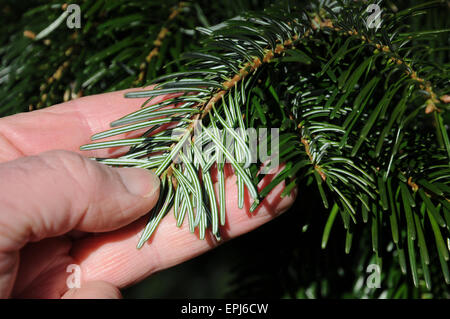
(248,68)
(175,11)
(424,85)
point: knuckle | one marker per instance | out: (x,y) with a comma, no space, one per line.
(77,169)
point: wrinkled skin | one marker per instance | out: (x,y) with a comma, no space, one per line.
(60,208)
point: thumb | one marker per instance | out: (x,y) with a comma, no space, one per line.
(59,191)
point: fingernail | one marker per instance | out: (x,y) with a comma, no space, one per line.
(139,181)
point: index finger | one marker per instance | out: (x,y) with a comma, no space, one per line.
(113,256)
(64,126)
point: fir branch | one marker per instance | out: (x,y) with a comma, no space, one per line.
(362,112)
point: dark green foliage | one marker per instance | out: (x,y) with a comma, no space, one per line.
(106,54)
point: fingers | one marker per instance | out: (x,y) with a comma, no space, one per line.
(94,290)
(55,192)
(42,270)
(65,126)
(113,256)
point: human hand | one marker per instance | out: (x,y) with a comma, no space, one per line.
(61,208)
